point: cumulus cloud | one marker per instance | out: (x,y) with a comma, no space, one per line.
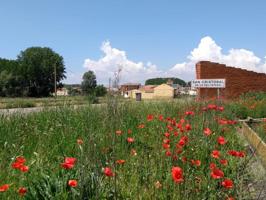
(133,71)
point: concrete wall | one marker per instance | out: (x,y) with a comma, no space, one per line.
(238,80)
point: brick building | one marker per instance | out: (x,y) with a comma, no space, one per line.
(237,81)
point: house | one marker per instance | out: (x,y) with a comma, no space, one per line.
(127,87)
(162,91)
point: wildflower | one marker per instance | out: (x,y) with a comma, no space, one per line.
(24,168)
(22,191)
(168,153)
(166,146)
(120,162)
(177,174)
(196,162)
(227,183)
(217,173)
(220,108)
(149,118)
(207,131)
(79,141)
(212,165)
(183,140)
(130,140)
(223,161)
(19,162)
(69,163)
(236,153)
(141,126)
(108,172)
(221,140)
(188,127)
(167,134)
(158,184)
(215,154)
(212,107)
(4,187)
(129,131)
(160,117)
(189,113)
(118,132)
(133,152)
(73,183)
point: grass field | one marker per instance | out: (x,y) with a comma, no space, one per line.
(156,150)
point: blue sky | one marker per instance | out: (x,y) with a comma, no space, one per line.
(163,32)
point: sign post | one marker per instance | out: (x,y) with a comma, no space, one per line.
(209,83)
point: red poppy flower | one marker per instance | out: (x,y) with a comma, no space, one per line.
(167,134)
(188,127)
(221,140)
(20,159)
(236,153)
(108,172)
(120,162)
(176,133)
(227,183)
(141,126)
(149,118)
(166,146)
(212,107)
(230,198)
(130,140)
(24,168)
(168,153)
(207,131)
(19,162)
(189,113)
(16,165)
(22,191)
(183,140)
(212,165)
(217,173)
(166,141)
(220,108)
(73,183)
(215,154)
(4,187)
(160,117)
(196,162)
(223,161)
(69,163)
(177,174)
(129,131)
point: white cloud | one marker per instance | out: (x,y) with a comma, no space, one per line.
(139,71)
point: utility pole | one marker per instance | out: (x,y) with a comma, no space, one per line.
(55,89)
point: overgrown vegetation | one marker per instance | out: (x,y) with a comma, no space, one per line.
(159,150)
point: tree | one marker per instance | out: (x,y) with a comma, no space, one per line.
(37,66)
(159,81)
(100,91)
(88,83)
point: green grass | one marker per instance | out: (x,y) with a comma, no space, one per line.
(46,138)
(6,103)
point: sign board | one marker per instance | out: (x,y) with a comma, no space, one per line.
(208,83)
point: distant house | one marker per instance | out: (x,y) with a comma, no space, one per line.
(61,92)
(127,87)
(162,91)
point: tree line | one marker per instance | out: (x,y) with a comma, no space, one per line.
(32,74)
(159,81)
